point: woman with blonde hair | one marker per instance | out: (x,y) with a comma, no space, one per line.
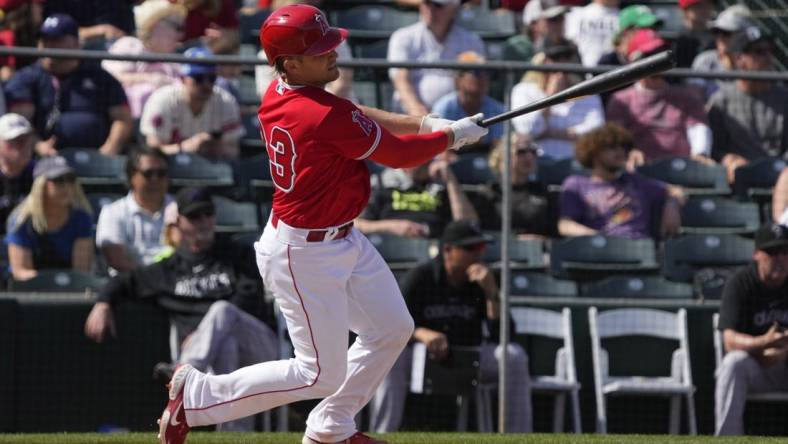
(556,128)
(530,215)
(159,30)
(52,227)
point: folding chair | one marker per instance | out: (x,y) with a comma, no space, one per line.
(585,257)
(96,171)
(685,255)
(58,281)
(719,352)
(695,177)
(637,287)
(651,323)
(547,323)
(710,215)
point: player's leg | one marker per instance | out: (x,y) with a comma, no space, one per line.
(518,407)
(380,318)
(388,404)
(308,283)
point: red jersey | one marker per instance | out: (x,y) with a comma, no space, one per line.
(316,144)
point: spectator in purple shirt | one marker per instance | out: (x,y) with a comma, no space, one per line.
(612,201)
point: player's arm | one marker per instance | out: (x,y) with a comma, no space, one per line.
(398,124)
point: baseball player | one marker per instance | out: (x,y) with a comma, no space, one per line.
(325,275)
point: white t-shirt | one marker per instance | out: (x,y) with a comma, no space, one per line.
(417,43)
(592,29)
(581,115)
(167,115)
(124,222)
(784,218)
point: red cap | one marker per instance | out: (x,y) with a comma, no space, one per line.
(684,4)
(298,30)
(643,41)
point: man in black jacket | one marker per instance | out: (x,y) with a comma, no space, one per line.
(211,292)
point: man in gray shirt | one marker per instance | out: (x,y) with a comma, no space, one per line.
(747,118)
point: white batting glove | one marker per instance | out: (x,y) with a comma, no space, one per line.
(467,131)
(432,122)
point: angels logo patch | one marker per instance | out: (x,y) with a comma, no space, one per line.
(366,124)
(323,23)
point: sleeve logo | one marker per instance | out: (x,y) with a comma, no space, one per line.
(366,124)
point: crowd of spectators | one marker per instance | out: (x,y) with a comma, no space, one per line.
(151,111)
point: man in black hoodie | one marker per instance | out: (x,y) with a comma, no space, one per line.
(211,292)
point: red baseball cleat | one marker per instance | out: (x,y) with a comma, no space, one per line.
(358,438)
(172,424)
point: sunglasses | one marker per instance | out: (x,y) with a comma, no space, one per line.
(204,78)
(67,179)
(526,150)
(474,247)
(161,173)
(198,215)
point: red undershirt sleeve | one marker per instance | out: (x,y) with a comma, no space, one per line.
(410,150)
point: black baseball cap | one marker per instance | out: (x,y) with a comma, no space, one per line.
(771,238)
(192,200)
(463,232)
(742,41)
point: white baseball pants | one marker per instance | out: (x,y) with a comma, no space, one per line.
(324,289)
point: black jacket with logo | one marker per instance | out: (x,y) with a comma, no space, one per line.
(185,285)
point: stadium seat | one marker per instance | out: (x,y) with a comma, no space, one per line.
(719,352)
(640,322)
(53,281)
(235,217)
(373,21)
(250,24)
(553,172)
(247,89)
(525,284)
(714,215)
(95,170)
(523,254)
(756,179)
(472,169)
(253,179)
(589,257)
(194,170)
(637,287)
(488,24)
(563,382)
(401,253)
(252,141)
(693,176)
(686,255)
(376,49)
(98,200)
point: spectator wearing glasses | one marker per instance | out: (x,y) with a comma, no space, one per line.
(556,128)
(195,115)
(51,228)
(129,230)
(733,19)
(452,298)
(16,163)
(211,292)
(69,102)
(529,196)
(665,120)
(436,37)
(613,202)
(753,320)
(159,31)
(748,117)
(470,98)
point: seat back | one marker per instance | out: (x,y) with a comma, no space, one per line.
(529,283)
(472,169)
(709,215)
(757,178)
(58,281)
(400,251)
(235,217)
(552,173)
(373,21)
(550,324)
(253,178)
(95,170)
(486,23)
(98,200)
(637,287)
(688,254)
(523,254)
(250,24)
(695,177)
(584,256)
(194,170)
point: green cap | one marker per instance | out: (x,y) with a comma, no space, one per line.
(637,16)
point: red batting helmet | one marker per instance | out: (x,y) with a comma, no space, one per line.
(298,30)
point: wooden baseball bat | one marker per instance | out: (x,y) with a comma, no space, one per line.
(612,79)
